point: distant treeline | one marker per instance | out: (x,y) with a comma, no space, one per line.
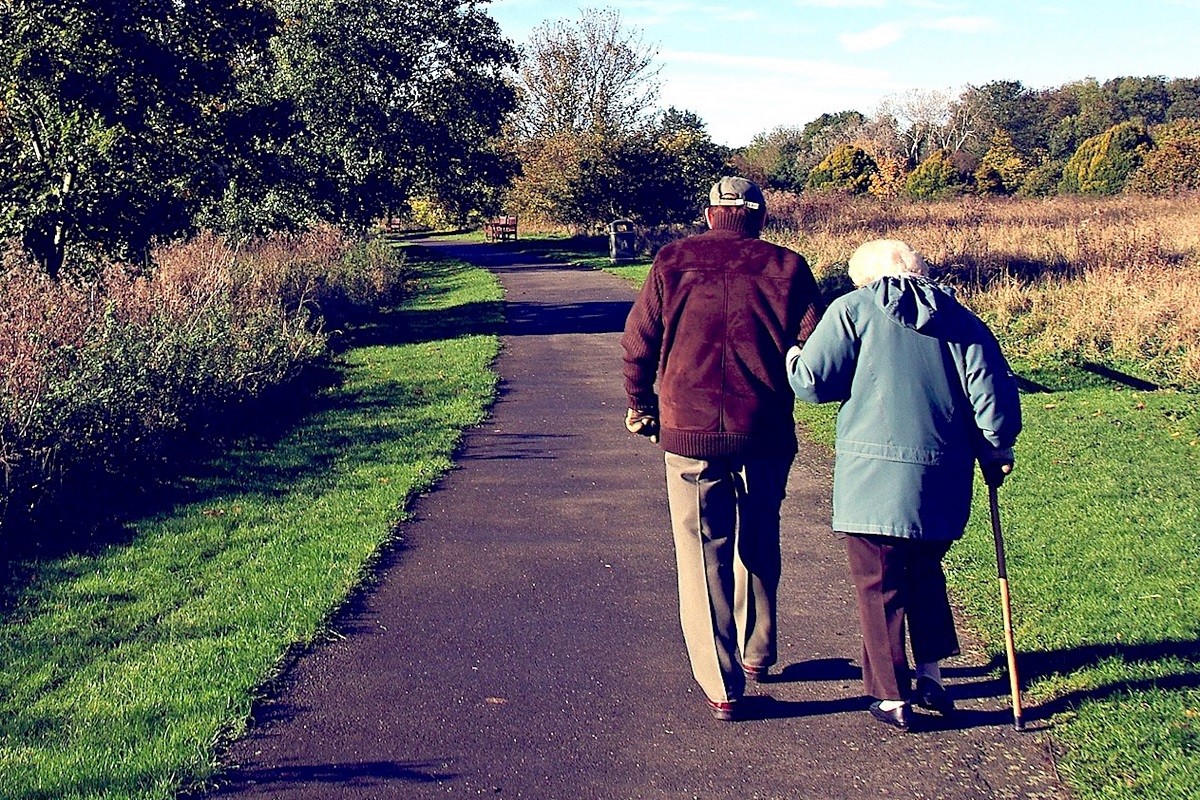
(128,125)
(1139,134)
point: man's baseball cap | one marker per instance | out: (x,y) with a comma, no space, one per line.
(734,191)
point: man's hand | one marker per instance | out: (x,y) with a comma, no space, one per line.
(642,423)
(994,471)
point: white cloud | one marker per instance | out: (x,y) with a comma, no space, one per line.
(739,96)
(659,7)
(932,5)
(692,14)
(962,24)
(876,38)
(743,97)
(889,33)
(843,3)
(725,14)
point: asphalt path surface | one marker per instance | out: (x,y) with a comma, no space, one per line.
(522,640)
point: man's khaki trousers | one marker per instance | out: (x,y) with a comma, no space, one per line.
(725,520)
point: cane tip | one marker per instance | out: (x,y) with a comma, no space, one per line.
(1018,724)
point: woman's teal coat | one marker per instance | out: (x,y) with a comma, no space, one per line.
(925,392)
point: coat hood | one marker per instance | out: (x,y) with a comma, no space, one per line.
(915,302)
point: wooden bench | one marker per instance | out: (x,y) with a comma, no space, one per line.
(500,229)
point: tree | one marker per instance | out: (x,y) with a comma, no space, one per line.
(592,75)
(389,98)
(1185,99)
(1103,163)
(548,186)
(1007,106)
(821,137)
(1145,99)
(1042,180)
(112,118)
(770,158)
(1094,111)
(921,118)
(658,174)
(692,163)
(782,158)
(888,180)
(590,142)
(935,177)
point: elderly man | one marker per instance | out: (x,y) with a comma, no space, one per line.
(704,372)
(925,393)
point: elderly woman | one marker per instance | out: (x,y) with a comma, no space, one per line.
(925,393)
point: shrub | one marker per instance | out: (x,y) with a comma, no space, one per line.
(888,181)
(100,383)
(847,168)
(935,177)
(1103,163)
(1042,180)
(426,213)
(1001,170)
(1174,163)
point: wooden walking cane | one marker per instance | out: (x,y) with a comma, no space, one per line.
(1006,605)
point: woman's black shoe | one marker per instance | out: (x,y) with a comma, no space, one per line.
(899,717)
(932,696)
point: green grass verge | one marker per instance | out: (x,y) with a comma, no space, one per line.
(1102,531)
(122,671)
(1103,535)
(634,273)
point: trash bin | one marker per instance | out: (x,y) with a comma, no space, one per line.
(622,241)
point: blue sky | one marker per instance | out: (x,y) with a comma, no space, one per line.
(748,67)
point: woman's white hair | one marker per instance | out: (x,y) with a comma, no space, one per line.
(880,258)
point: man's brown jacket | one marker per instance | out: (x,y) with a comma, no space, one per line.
(709,329)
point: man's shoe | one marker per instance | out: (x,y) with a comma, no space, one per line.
(724,710)
(899,717)
(931,695)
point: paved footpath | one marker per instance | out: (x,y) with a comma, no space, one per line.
(523,640)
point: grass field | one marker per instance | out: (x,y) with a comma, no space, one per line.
(123,670)
(1102,529)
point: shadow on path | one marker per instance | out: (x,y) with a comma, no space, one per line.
(358,776)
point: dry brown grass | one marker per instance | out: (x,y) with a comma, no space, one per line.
(1115,280)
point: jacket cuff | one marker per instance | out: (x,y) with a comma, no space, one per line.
(792,356)
(992,455)
(644,405)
